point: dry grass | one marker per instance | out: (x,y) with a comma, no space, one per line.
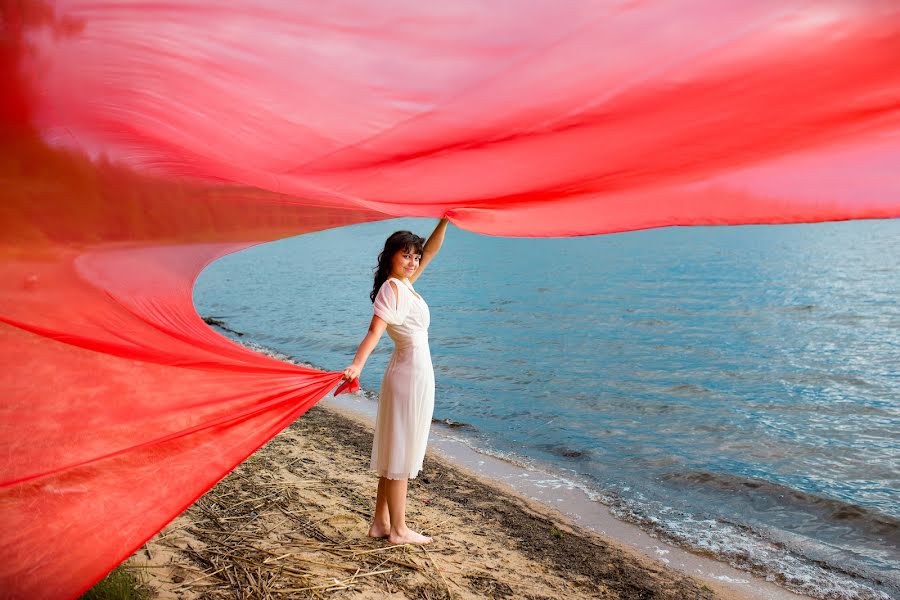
(252,538)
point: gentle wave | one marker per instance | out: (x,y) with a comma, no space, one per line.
(864,519)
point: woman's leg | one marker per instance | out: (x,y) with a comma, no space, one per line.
(396,499)
(381,522)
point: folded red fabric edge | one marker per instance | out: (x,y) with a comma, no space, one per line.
(348,386)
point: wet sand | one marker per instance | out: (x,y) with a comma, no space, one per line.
(291,521)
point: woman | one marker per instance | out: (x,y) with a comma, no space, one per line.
(406,400)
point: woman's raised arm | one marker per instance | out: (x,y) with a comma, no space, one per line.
(432,245)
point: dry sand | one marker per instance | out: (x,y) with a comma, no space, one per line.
(291,521)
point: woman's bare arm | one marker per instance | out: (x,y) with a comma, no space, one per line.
(376,328)
(435,240)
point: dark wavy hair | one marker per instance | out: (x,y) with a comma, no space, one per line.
(399,240)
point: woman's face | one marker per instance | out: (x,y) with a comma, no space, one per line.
(405,263)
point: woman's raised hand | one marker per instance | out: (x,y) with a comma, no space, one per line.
(352,372)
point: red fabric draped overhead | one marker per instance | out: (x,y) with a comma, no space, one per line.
(141,141)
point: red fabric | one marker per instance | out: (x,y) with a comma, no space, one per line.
(141,141)
(347,387)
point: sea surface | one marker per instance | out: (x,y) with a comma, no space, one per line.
(735,390)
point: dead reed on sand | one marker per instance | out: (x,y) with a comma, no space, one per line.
(252,536)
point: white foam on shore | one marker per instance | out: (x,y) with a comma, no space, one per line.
(739,547)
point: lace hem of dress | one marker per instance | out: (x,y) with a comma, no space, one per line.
(397,474)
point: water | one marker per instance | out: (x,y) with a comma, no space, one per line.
(735,389)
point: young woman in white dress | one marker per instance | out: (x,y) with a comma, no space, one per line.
(406,399)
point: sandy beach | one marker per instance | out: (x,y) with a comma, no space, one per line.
(291,521)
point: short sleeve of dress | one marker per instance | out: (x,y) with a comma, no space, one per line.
(392,310)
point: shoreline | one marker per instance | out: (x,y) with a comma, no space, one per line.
(546,490)
(292,520)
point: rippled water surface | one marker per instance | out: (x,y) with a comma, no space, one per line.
(736,389)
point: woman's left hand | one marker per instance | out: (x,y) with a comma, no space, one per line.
(352,372)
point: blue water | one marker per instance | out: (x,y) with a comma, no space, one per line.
(735,389)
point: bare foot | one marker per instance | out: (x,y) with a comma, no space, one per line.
(379,531)
(408,537)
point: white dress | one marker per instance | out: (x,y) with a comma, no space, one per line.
(406,400)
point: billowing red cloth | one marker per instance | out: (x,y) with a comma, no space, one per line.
(141,141)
